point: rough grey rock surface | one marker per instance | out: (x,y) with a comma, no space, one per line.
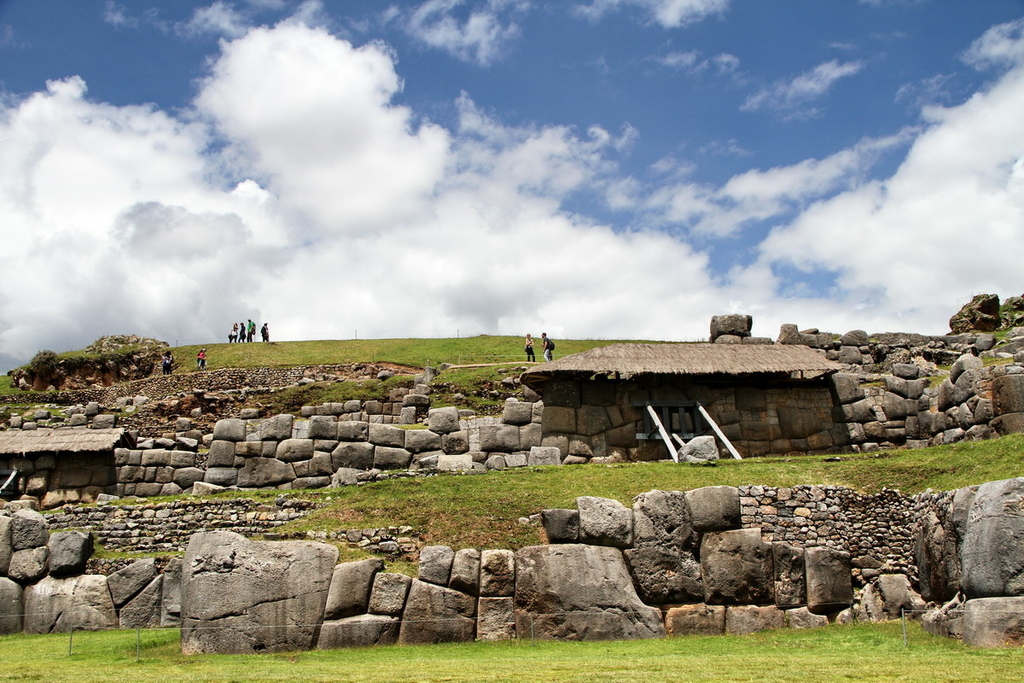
(888,597)
(436,614)
(388,593)
(127,582)
(714,508)
(10,606)
(604,521)
(737,568)
(994,622)
(497,573)
(993,547)
(665,576)
(436,564)
(662,519)
(465,576)
(746,619)
(561,525)
(829,581)
(496,619)
(242,597)
(80,602)
(579,592)
(695,620)
(790,576)
(363,630)
(28,530)
(69,551)
(351,583)
(143,611)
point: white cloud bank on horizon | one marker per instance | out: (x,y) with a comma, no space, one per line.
(296,192)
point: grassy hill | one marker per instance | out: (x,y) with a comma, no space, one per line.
(484,511)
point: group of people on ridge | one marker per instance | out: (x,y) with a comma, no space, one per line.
(246,332)
(547,346)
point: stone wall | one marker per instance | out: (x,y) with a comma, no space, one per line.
(711,560)
(601,418)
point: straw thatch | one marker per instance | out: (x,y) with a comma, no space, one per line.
(61,440)
(687,359)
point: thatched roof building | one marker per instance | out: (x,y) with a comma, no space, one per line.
(704,360)
(21,442)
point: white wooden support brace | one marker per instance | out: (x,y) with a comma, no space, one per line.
(664,434)
(719,433)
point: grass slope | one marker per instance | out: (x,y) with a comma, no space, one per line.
(837,653)
(483,511)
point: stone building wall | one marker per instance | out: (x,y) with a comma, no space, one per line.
(601,418)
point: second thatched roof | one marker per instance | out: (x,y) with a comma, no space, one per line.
(60,440)
(687,359)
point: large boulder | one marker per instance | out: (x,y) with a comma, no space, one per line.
(28,530)
(604,521)
(665,575)
(731,324)
(125,583)
(69,551)
(980,314)
(714,508)
(937,555)
(241,597)
(351,582)
(994,622)
(497,573)
(790,575)
(695,620)
(437,614)
(737,568)
(143,610)
(992,553)
(662,519)
(579,592)
(5,544)
(362,630)
(890,596)
(80,603)
(388,593)
(829,580)
(10,606)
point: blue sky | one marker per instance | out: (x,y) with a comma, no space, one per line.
(601,168)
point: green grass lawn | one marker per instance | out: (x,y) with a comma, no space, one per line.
(414,352)
(837,653)
(483,511)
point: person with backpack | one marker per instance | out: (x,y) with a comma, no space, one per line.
(547,345)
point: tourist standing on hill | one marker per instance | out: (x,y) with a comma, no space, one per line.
(201,359)
(265,332)
(241,332)
(547,345)
(167,363)
(530,356)
(233,337)
(251,330)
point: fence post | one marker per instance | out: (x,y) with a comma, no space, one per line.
(903,620)
(71,638)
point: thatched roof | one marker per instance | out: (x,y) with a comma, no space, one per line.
(793,361)
(60,440)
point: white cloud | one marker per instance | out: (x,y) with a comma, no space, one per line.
(948,221)
(792,94)
(757,195)
(1001,45)
(693,61)
(481,37)
(666,13)
(220,19)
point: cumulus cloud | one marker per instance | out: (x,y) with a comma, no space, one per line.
(789,95)
(757,195)
(666,13)
(946,222)
(298,191)
(481,36)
